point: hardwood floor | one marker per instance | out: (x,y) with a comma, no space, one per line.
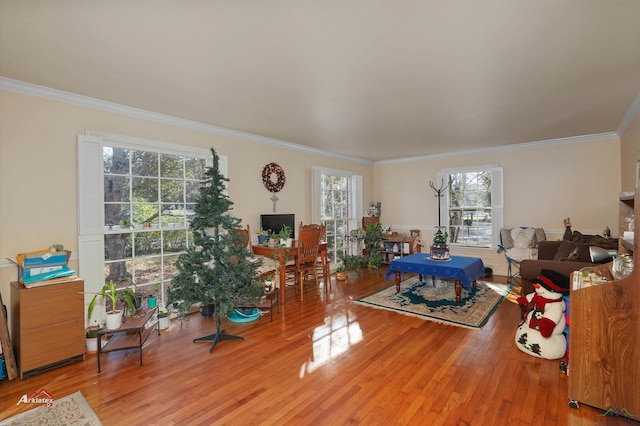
(324,361)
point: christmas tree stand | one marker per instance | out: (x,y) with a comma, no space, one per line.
(218,336)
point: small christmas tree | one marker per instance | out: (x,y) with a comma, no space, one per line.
(440,245)
(214,270)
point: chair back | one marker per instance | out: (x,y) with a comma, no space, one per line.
(243,237)
(322,228)
(308,243)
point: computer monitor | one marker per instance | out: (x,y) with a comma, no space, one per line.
(275,222)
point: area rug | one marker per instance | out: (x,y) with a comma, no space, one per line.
(436,301)
(69,410)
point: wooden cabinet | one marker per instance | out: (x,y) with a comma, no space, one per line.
(604,343)
(397,247)
(369,219)
(48,325)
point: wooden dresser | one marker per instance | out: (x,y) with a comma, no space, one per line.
(47,325)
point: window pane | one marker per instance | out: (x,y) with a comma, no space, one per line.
(145,189)
(170,269)
(116,188)
(174,241)
(144,163)
(145,214)
(171,166)
(147,243)
(195,168)
(117,216)
(115,160)
(117,246)
(192,190)
(172,215)
(148,270)
(118,271)
(171,191)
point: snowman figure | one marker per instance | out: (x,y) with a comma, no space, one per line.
(541,331)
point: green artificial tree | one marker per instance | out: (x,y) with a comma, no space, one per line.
(214,270)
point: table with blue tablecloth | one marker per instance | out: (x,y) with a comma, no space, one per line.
(463,270)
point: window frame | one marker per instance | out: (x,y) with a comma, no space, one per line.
(91,203)
(497,201)
(354,208)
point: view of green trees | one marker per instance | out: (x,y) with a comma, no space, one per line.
(148,200)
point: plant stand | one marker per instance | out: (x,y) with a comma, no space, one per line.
(131,335)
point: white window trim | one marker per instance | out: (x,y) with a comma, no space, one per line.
(497,198)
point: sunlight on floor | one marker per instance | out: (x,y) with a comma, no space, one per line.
(338,333)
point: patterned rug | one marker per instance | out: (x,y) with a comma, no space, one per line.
(436,301)
(70,410)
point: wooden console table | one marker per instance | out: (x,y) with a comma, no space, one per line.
(133,333)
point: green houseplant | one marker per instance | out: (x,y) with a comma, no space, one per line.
(372,238)
(207,272)
(352,262)
(285,236)
(111,293)
(263,237)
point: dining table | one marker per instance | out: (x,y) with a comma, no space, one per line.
(284,254)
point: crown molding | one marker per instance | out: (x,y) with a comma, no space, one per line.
(632,113)
(512,147)
(99,104)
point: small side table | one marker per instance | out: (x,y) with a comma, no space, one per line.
(133,333)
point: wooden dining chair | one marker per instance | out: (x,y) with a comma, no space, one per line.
(323,261)
(305,256)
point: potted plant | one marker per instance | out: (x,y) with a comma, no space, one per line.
(285,236)
(372,238)
(341,274)
(111,293)
(152,296)
(352,262)
(163,317)
(91,338)
(263,237)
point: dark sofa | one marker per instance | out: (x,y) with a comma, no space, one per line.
(570,254)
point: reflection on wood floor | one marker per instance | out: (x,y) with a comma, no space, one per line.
(324,361)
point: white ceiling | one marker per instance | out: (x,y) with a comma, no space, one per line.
(372,79)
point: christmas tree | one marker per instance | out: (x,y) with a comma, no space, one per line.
(440,246)
(214,270)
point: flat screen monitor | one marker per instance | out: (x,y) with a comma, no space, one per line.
(275,222)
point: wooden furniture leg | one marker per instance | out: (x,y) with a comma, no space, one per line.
(458,287)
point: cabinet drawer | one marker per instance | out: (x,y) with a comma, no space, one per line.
(47,305)
(47,345)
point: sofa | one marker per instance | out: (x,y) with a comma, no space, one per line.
(565,256)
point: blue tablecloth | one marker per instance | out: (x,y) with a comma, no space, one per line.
(464,269)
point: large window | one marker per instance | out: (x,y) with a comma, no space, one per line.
(473,205)
(148,200)
(135,203)
(337,201)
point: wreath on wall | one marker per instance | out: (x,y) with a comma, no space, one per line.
(273,177)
